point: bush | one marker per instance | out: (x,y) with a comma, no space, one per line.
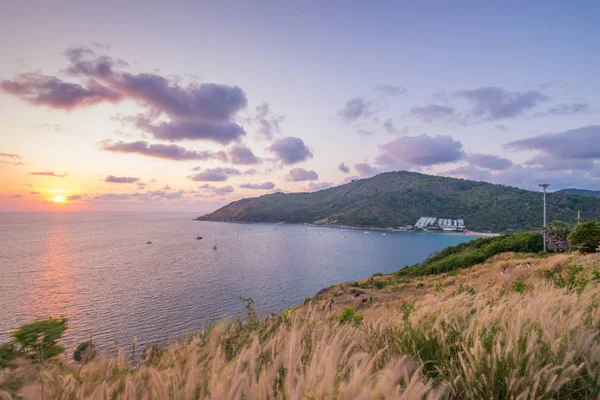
(85,352)
(379,284)
(38,340)
(556,236)
(475,252)
(349,316)
(575,278)
(519,286)
(8,352)
(585,236)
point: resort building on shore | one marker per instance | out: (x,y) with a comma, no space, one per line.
(444,224)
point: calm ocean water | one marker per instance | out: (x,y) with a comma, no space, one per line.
(97,270)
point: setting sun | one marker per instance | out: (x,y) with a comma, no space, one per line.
(59,199)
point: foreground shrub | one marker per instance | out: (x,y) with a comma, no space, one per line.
(85,352)
(38,340)
(349,316)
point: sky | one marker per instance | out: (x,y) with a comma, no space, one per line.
(187,106)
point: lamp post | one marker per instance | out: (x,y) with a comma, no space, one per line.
(544,186)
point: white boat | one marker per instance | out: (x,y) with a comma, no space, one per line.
(384,234)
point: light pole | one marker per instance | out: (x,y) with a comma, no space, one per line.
(544,186)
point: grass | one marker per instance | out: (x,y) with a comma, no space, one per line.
(480,338)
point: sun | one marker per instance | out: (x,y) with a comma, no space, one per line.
(59,199)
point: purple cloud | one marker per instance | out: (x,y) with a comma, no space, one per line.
(214,174)
(267,121)
(354,109)
(552,163)
(16,196)
(222,132)
(390,126)
(422,150)
(242,155)
(493,103)
(432,112)
(580,143)
(50,174)
(344,168)
(258,186)
(217,191)
(195,112)
(567,109)
(489,161)
(40,89)
(390,90)
(166,151)
(120,179)
(291,150)
(300,174)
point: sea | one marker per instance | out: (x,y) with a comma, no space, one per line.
(98,270)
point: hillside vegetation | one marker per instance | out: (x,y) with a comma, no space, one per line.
(531,333)
(395,199)
(581,192)
(475,252)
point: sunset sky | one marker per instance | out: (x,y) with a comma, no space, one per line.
(186,106)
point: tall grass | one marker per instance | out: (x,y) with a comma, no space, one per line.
(484,344)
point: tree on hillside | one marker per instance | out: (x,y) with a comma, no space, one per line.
(585,236)
(556,236)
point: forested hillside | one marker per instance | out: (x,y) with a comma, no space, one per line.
(394,199)
(581,192)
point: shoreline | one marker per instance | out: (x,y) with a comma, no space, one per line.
(388,229)
(463,233)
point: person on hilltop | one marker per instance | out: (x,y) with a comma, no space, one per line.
(330,305)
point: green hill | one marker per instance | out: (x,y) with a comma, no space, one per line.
(580,192)
(395,199)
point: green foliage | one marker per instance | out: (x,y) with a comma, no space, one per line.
(8,352)
(519,286)
(380,284)
(395,199)
(438,287)
(85,352)
(466,289)
(556,236)
(573,278)
(349,316)
(475,252)
(585,236)
(377,274)
(38,340)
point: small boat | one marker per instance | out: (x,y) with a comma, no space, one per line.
(366,231)
(198,237)
(215,244)
(384,234)
(148,242)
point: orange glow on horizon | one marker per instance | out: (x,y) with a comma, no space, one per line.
(59,199)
